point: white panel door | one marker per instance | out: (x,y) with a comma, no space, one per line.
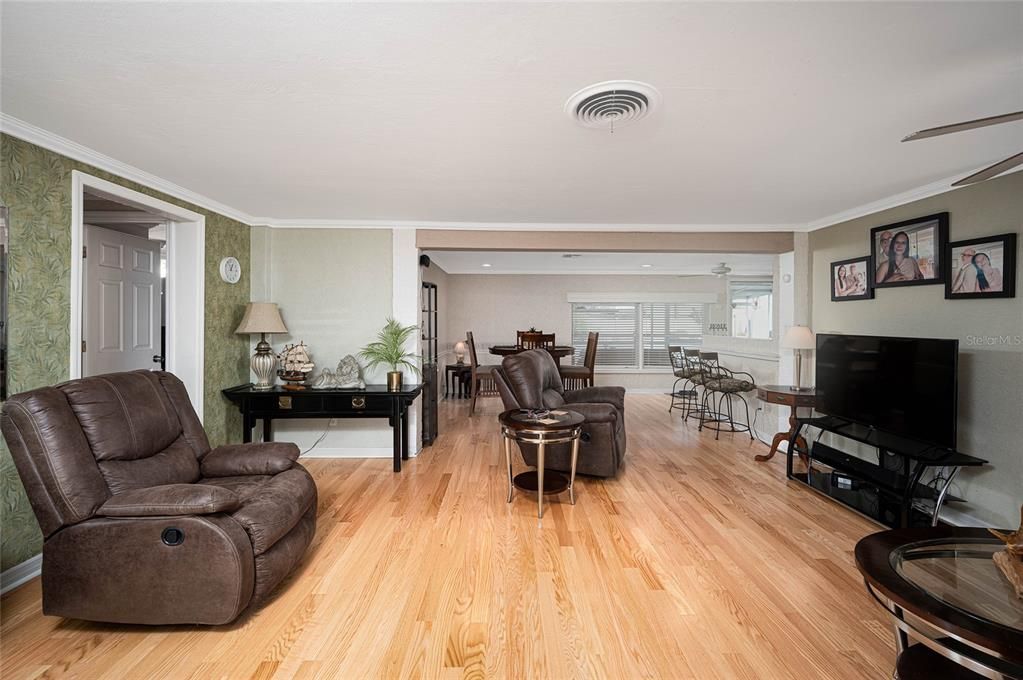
(121,306)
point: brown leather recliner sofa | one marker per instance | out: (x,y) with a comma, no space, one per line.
(531,380)
(142,522)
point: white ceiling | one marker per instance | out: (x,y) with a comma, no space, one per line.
(687,264)
(772,114)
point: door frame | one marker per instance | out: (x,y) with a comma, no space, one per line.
(186,285)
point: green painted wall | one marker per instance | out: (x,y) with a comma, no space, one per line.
(36,185)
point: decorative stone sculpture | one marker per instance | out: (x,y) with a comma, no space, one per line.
(324,381)
(348,374)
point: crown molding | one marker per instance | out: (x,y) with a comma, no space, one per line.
(75,151)
(54,142)
(941,186)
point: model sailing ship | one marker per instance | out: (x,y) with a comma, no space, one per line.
(295,366)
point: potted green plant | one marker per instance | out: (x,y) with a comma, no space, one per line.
(389,349)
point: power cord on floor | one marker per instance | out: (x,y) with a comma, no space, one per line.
(315,443)
(756,412)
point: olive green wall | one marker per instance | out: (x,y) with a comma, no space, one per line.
(990,334)
(36,185)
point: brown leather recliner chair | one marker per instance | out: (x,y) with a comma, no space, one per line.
(143,523)
(531,380)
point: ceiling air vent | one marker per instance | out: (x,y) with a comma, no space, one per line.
(612,104)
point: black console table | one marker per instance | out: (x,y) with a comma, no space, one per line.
(883,491)
(374,401)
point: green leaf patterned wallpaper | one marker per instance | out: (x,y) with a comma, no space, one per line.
(36,185)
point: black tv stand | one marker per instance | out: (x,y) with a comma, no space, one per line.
(884,491)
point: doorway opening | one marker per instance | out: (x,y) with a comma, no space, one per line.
(124,311)
(137,291)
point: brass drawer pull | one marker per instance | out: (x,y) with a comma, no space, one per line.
(358,402)
(284,402)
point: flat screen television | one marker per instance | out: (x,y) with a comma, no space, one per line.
(901,386)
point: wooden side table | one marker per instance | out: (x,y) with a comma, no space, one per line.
(541,428)
(786,395)
(456,372)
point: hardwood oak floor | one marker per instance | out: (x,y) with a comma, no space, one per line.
(694,562)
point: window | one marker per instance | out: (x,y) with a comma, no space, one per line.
(617,325)
(751,308)
(634,334)
(669,324)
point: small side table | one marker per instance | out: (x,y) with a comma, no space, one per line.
(955,615)
(456,371)
(786,395)
(558,427)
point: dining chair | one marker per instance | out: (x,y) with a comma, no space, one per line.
(576,377)
(481,378)
(533,340)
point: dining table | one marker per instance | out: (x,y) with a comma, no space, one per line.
(556,351)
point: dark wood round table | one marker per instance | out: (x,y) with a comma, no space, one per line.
(961,608)
(557,351)
(541,427)
(786,395)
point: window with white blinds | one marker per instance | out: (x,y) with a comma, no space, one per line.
(618,325)
(636,335)
(669,324)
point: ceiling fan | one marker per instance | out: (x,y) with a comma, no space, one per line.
(988,172)
(721,270)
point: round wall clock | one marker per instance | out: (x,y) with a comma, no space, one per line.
(230,269)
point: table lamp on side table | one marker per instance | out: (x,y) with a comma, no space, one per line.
(798,338)
(262,318)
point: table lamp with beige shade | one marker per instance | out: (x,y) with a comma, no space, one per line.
(799,338)
(262,318)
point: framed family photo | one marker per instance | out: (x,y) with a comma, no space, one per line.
(910,253)
(851,279)
(982,268)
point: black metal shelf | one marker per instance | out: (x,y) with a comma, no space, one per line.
(887,491)
(429,331)
(892,481)
(887,442)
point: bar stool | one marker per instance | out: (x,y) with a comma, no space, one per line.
(718,380)
(685,397)
(694,364)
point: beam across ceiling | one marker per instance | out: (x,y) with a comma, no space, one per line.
(606,241)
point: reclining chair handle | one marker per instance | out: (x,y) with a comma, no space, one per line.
(172,536)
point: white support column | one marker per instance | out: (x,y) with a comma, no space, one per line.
(405,309)
(786,316)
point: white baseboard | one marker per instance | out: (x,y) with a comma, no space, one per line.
(354,452)
(21,573)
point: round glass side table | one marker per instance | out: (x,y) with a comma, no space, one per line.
(942,590)
(541,428)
